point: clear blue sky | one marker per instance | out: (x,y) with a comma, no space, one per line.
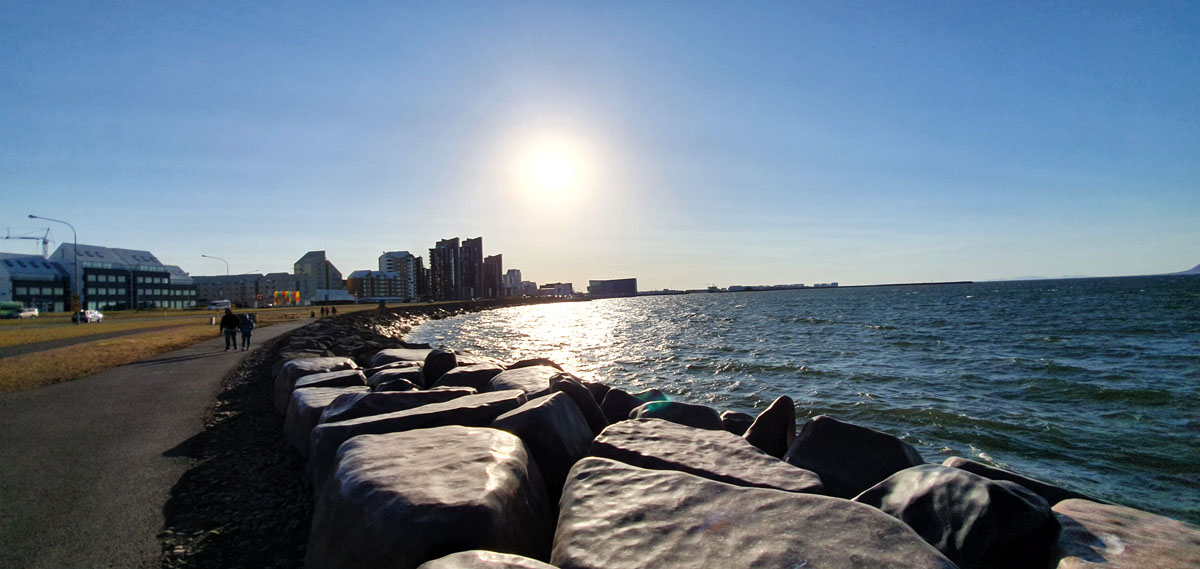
(725,143)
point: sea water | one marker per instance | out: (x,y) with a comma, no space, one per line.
(1091,384)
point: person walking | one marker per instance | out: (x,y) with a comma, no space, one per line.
(229,326)
(246,325)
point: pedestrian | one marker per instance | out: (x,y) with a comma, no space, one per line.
(333,309)
(312,313)
(229,326)
(246,325)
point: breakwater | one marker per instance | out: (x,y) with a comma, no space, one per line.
(426,456)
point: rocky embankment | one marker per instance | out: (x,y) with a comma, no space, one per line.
(421,457)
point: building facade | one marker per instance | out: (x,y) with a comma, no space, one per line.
(121,279)
(403,265)
(445,270)
(314,272)
(613,287)
(34,282)
(493,276)
(472,268)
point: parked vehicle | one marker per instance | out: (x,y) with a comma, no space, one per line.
(220,305)
(10,309)
(87,316)
(28,313)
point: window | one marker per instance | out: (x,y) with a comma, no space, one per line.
(21,291)
(121,291)
(91,291)
(91,278)
(58,290)
(141,280)
(121,279)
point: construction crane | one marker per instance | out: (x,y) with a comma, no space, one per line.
(45,239)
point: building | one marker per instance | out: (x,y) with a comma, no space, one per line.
(403,265)
(241,290)
(471,257)
(314,272)
(614,287)
(379,285)
(421,279)
(556,289)
(120,279)
(493,268)
(278,289)
(445,266)
(512,282)
(34,282)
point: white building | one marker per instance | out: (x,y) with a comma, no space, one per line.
(403,265)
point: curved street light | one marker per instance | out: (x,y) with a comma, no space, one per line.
(226,283)
(78,285)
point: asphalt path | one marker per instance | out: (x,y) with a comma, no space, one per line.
(86,466)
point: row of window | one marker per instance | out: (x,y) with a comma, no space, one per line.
(141,291)
(110,305)
(106,278)
(32,264)
(35,290)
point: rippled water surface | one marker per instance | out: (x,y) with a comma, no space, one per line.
(1088,383)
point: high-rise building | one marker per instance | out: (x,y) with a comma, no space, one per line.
(445,270)
(493,268)
(421,278)
(314,272)
(512,282)
(613,287)
(471,256)
(402,264)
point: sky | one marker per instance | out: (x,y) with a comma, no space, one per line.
(707,143)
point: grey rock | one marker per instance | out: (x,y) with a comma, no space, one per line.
(774,430)
(293,370)
(529,362)
(398,384)
(398,355)
(438,362)
(618,403)
(698,416)
(1052,494)
(476,375)
(470,410)
(304,411)
(383,402)
(394,365)
(533,380)
(1105,536)
(976,522)
(398,500)
(479,559)
(467,359)
(616,516)
(583,399)
(715,455)
(849,458)
(343,378)
(736,422)
(599,390)
(411,374)
(555,433)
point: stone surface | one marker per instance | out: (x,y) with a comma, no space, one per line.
(849,458)
(343,378)
(1105,536)
(529,362)
(398,500)
(774,430)
(588,407)
(599,390)
(304,411)
(383,357)
(477,376)
(398,384)
(1053,494)
(471,410)
(698,416)
(382,402)
(555,433)
(736,422)
(616,516)
(618,403)
(466,359)
(533,380)
(292,370)
(412,374)
(715,455)
(394,365)
(479,559)
(976,522)
(438,362)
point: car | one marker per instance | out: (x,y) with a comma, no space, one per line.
(87,316)
(28,313)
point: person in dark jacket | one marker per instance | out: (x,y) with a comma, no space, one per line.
(229,326)
(246,325)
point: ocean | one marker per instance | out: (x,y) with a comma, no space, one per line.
(1091,384)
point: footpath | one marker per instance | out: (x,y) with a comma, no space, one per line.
(86,466)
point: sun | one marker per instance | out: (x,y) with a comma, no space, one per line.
(552,171)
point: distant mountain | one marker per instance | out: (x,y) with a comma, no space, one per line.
(1192,271)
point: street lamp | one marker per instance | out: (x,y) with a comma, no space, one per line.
(226,271)
(78,285)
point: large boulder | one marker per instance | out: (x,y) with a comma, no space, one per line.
(555,433)
(774,430)
(976,522)
(849,458)
(582,396)
(438,362)
(304,411)
(358,405)
(468,359)
(697,416)
(530,362)
(393,365)
(736,422)
(391,355)
(343,378)
(1053,494)
(599,390)
(715,455)
(533,380)
(398,384)
(479,559)
(617,516)
(412,374)
(1105,536)
(291,370)
(477,376)
(398,500)
(470,410)
(618,403)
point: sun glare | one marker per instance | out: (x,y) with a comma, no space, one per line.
(552,172)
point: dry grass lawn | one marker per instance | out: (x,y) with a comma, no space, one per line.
(33,333)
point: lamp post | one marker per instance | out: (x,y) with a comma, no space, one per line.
(78,285)
(226,270)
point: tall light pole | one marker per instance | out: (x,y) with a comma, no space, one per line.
(75,306)
(226,270)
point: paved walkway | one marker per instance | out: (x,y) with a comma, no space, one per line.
(86,466)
